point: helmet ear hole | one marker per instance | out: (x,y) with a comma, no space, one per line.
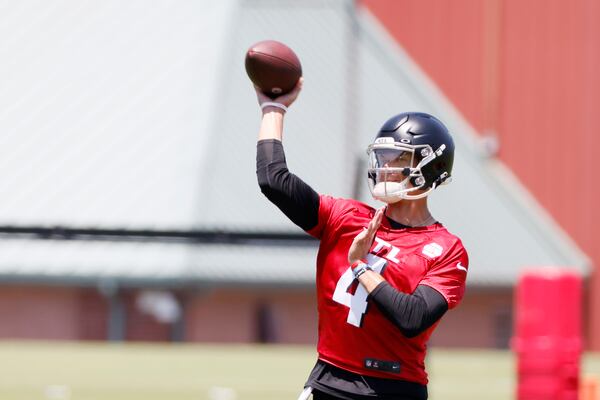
(418,181)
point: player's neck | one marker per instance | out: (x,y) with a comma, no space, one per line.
(410,212)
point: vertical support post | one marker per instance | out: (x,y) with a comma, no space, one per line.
(491,66)
(178,326)
(117,316)
(352,107)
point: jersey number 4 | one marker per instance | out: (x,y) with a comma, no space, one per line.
(357,302)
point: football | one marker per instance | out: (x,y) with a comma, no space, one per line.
(273,67)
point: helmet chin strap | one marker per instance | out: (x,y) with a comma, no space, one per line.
(388,199)
(388,192)
(407,196)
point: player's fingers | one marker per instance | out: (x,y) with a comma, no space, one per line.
(364,234)
(288,98)
(379,217)
(371,229)
(260,95)
(375,222)
(298,86)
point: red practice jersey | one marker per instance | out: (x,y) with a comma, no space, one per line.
(353,332)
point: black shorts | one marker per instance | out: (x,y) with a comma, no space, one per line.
(330,382)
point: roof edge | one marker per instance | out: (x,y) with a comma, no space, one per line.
(512,190)
(537,216)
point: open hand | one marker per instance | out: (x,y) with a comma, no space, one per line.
(362,242)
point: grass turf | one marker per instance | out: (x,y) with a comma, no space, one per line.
(95,371)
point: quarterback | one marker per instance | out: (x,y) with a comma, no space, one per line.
(384,277)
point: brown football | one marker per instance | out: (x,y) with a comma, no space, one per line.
(273,67)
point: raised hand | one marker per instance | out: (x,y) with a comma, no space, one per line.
(285,99)
(363,241)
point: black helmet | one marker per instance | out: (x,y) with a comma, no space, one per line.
(413,152)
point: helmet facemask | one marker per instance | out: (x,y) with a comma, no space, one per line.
(394,171)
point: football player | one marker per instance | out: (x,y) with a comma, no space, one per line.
(384,277)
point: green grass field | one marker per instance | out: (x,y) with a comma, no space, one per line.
(80,371)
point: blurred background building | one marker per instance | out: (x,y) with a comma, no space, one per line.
(129,208)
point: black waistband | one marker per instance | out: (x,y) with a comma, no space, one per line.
(348,385)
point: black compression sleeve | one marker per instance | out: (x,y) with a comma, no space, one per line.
(298,201)
(412,313)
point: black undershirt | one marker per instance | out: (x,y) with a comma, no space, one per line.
(298,201)
(411,313)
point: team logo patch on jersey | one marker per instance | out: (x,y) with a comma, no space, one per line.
(433,250)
